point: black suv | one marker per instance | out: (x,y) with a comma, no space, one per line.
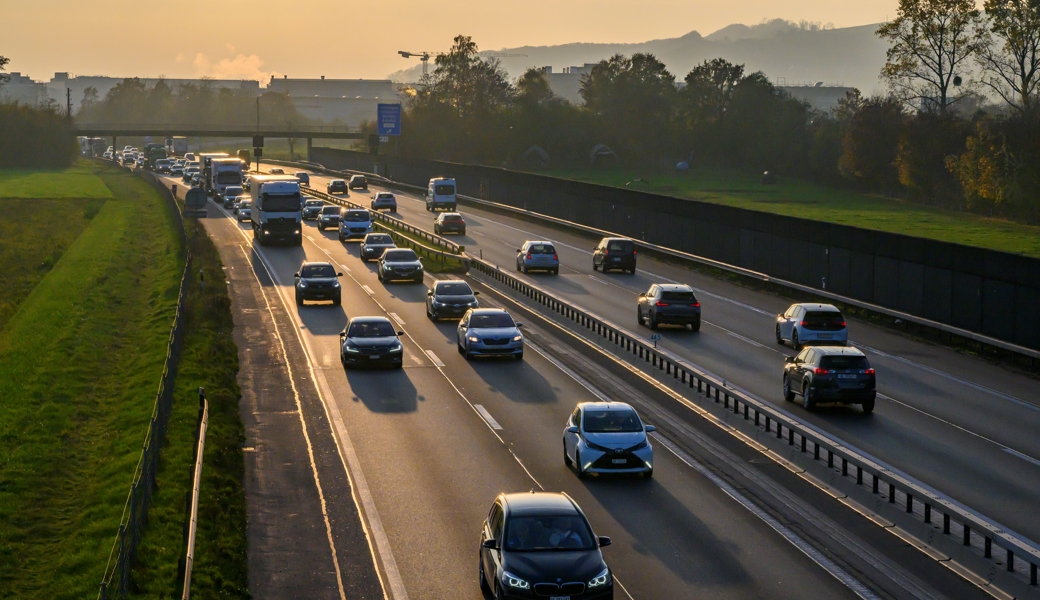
(540,545)
(318,281)
(336,186)
(399,263)
(358,182)
(669,304)
(450,299)
(614,254)
(820,375)
(449,222)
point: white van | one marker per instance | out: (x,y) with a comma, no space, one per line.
(440,194)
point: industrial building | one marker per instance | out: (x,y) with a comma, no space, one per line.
(340,101)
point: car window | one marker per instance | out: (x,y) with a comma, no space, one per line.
(491,320)
(495,521)
(378,239)
(356,216)
(459,288)
(576,416)
(365,329)
(800,357)
(399,256)
(547,533)
(330,210)
(314,203)
(679,296)
(811,356)
(612,421)
(318,271)
(652,291)
(619,246)
(857,363)
(541,249)
(453,218)
(827,318)
(443,189)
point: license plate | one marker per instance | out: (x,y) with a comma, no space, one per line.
(618,461)
(373,356)
(616,258)
(846,376)
(824,336)
(559,598)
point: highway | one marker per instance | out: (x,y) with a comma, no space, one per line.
(436,441)
(956,422)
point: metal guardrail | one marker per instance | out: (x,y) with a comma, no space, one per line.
(390,222)
(116,580)
(976,530)
(422,250)
(247,128)
(196,478)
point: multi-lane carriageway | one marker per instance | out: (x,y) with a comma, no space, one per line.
(436,441)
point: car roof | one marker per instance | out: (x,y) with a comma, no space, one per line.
(370,320)
(490,311)
(538,242)
(315,263)
(838,351)
(450,214)
(606,405)
(819,307)
(539,503)
(447,281)
(616,239)
(674,287)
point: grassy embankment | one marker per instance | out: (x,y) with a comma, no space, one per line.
(81,355)
(804,199)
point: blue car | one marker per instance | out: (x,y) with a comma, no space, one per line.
(489,332)
(537,256)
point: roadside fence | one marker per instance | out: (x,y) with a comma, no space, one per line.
(191,524)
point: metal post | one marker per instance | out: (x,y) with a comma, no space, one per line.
(989,547)
(967,535)
(927,513)
(946,523)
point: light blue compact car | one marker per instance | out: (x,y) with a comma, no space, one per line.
(489,332)
(537,256)
(607,437)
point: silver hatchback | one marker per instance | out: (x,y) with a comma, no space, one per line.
(537,256)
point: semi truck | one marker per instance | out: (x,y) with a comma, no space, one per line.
(224,172)
(204,167)
(277,209)
(177,145)
(152,153)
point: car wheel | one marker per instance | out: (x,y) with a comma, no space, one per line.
(648,474)
(436,230)
(779,340)
(651,320)
(788,392)
(393,210)
(467,354)
(566,457)
(639,316)
(518,267)
(695,326)
(596,267)
(556,271)
(794,340)
(299,300)
(342,358)
(484,587)
(577,460)
(807,397)
(518,356)
(338,301)
(429,315)
(458,346)
(868,406)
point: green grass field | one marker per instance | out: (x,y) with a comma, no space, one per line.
(798,198)
(79,181)
(81,360)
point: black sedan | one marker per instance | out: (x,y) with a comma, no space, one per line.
(370,342)
(358,182)
(374,244)
(450,299)
(318,281)
(831,374)
(336,186)
(540,545)
(399,263)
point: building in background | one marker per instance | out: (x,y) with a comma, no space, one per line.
(78,83)
(823,98)
(340,101)
(567,84)
(23,90)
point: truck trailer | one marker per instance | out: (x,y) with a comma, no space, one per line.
(277,209)
(224,172)
(177,145)
(204,168)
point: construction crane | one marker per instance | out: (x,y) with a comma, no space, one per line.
(423,56)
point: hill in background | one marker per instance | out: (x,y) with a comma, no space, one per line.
(798,52)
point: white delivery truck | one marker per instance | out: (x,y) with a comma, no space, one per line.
(277,214)
(440,194)
(176,145)
(224,172)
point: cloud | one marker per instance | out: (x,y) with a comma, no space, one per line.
(239,67)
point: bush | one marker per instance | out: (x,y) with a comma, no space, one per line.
(35,137)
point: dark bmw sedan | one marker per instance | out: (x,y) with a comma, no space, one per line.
(833,374)
(370,342)
(540,545)
(450,299)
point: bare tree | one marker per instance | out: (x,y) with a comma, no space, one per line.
(1010,51)
(931,40)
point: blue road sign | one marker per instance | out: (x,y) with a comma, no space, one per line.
(389,116)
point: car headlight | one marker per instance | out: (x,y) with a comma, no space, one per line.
(641,445)
(386,266)
(514,581)
(601,579)
(266,232)
(473,303)
(438,303)
(297,232)
(593,446)
(335,284)
(473,338)
(352,349)
(396,347)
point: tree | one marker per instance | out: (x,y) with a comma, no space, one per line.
(1010,51)
(532,89)
(871,141)
(90,98)
(930,42)
(466,81)
(3,67)
(709,89)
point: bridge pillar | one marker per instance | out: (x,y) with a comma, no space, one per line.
(114,147)
(310,144)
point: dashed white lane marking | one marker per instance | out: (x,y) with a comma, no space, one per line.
(487,417)
(598,280)
(309,237)
(368,290)
(1022,456)
(345,267)
(397,318)
(436,359)
(815,555)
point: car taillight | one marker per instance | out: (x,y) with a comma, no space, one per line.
(659,303)
(696,304)
(868,372)
(528,256)
(555,257)
(606,251)
(804,323)
(842,324)
(820,371)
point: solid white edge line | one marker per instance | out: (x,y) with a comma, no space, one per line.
(487,417)
(372,524)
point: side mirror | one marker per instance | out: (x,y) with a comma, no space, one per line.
(518,251)
(491,544)
(650,429)
(339,274)
(788,359)
(400,333)
(476,293)
(429,292)
(642,295)
(604,541)
(572,429)
(296,274)
(519,325)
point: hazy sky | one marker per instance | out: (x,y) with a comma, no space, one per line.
(257,38)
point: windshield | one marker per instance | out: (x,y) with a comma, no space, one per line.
(679,296)
(553,532)
(541,249)
(233,190)
(826,320)
(619,246)
(378,239)
(399,256)
(611,421)
(371,329)
(444,189)
(358,179)
(452,218)
(491,320)
(857,363)
(454,289)
(244,204)
(356,216)
(385,196)
(229,177)
(281,202)
(314,203)
(317,271)
(330,210)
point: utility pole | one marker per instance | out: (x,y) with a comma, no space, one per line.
(68,104)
